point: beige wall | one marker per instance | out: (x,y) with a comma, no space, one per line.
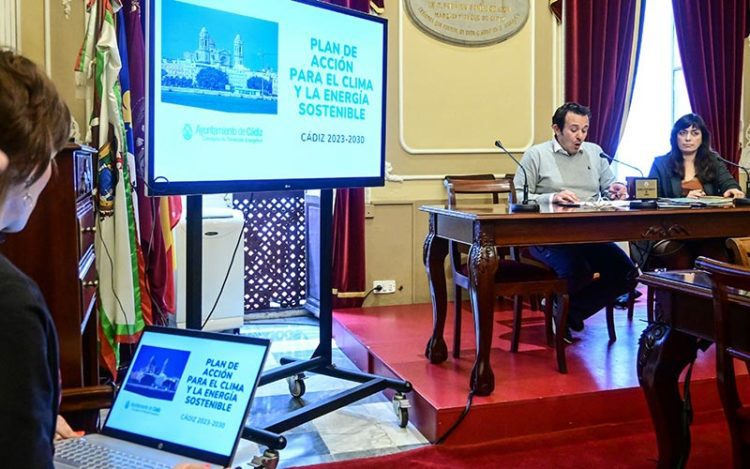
(52,41)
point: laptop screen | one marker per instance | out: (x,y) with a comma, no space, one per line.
(188,392)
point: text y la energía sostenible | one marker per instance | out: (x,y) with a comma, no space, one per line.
(329,85)
(216,387)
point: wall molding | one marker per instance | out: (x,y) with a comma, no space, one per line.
(47,39)
(477,150)
(10,23)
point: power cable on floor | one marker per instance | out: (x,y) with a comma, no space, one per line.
(458,421)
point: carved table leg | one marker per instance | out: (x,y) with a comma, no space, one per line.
(662,355)
(434,253)
(483,263)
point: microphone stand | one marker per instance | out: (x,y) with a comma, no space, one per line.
(740,200)
(634,204)
(526,205)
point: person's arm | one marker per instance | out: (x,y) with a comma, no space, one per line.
(608,184)
(28,394)
(530,161)
(724,180)
(606,175)
(659,171)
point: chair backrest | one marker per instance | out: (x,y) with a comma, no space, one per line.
(476,184)
(740,249)
(726,277)
(479,184)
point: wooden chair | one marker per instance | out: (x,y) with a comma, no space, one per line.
(514,278)
(731,336)
(610,311)
(81,406)
(740,250)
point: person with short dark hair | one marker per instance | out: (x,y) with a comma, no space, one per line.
(35,125)
(567,169)
(690,169)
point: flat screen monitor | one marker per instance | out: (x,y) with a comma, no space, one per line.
(258,95)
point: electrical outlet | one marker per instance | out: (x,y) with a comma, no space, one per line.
(386,286)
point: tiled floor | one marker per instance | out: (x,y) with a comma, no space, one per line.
(366,428)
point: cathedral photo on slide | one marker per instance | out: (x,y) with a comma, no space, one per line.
(227,62)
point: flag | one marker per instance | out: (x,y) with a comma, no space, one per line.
(169,206)
(158,270)
(127,115)
(120,307)
(85,62)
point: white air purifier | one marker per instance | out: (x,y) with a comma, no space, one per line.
(222,228)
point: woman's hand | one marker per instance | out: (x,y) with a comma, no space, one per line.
(63,430)
(734,193)
(696,193)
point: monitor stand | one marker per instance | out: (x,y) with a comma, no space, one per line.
(292,369)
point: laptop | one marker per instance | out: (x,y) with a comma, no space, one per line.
(185,398)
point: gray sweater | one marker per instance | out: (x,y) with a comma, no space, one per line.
(551,169)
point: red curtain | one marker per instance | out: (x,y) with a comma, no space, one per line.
(361,5)
(710,34)
(348,270)
(600,39)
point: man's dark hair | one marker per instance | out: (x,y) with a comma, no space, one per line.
(558,118)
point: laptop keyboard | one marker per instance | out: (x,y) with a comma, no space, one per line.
(82,453)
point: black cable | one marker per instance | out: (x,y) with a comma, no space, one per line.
(113,276)
(226,277)
(461,417)
(375,288)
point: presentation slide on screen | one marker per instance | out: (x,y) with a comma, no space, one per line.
(188,392)
(262,90)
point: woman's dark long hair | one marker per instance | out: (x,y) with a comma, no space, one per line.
(703,168)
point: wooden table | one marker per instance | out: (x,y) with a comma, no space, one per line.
(487,226)
(684,322)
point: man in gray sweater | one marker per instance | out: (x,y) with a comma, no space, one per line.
(564,170)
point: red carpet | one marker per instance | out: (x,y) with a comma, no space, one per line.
(593,417)
(616,446)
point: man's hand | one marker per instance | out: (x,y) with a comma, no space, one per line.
(618,191)
(734,193)
(696,194)
(565,197)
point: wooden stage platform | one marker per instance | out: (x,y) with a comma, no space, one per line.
(531,397)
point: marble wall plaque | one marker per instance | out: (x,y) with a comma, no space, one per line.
(469,22)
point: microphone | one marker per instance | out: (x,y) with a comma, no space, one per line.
(611,159)
(741,200)
(526,205)
(636,204)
